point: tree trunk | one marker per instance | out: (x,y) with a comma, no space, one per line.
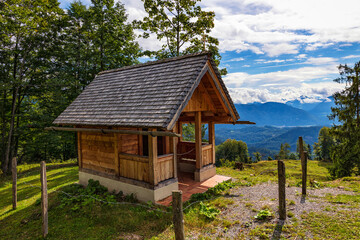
(12,121)
(3,120)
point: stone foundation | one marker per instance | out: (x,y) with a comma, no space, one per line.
(204,173)
(142,194)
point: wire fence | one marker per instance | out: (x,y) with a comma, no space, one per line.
(120,203)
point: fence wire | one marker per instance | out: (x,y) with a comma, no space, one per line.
(120,203)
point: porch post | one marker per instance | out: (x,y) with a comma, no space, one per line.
(212,140)
(152,143)
(198,148)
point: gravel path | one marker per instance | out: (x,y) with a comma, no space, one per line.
(249,200)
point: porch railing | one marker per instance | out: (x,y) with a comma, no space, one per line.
(137,167)
(186,152)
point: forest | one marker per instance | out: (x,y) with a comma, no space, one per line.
(49,55)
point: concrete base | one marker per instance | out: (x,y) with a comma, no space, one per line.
(142,194)
(186,167)
(205,173)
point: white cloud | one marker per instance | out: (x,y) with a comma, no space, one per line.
(321,60)
(313,24)
(301,56)
(313,93)
(351,56)
(239,59)
(289,78)
(275,61)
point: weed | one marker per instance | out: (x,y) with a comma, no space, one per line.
(248,205)
(290,214)
(208,211)
(291,202)
(264,214)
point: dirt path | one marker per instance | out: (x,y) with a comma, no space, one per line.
(239,216)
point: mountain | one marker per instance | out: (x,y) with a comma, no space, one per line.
(322,110)
(276,114)
(267,139)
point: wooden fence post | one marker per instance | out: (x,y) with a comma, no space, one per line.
(303,157)
(304,173)
(282,203)
(14,182)
(44,199)
(178,217)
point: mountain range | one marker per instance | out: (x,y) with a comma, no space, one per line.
(277,123)
(288,114)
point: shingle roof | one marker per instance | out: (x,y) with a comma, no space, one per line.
(143,95)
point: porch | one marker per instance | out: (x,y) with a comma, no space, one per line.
(189,186)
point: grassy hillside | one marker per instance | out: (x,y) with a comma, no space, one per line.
(87,219)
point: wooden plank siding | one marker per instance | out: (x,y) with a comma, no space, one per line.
(165,167)
(98,152)
(134,167)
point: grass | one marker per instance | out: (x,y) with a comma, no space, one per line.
(341,220)
(95,222)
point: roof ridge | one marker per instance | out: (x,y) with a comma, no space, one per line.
(155,62)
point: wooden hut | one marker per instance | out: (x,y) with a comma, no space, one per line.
(129,124)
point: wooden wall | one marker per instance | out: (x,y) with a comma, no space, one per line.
(121,155)
(97,151)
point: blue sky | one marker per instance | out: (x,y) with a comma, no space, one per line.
(278,50)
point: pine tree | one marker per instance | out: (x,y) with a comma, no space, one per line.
(323,147)
(183,25)
(346,152)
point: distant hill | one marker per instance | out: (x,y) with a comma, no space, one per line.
(276,114)
(290,114)
(267,140)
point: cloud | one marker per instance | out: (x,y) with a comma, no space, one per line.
(351,56)
(313,93)
(284,23)
(321,60)
(288,78)
(236,59)
(280,48)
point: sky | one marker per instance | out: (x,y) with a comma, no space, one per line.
(277,50)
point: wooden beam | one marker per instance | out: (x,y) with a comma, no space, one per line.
(174,151)
(220,89)
(211,128)
(133,132)
(180,130)
(116,151)
(152,142)
(226,119)
(198,143)
(205,93)
(141,144)
(217,92)
(215,119)
(79,148)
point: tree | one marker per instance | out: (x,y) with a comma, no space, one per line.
(346,152)
(284,151)
(232,150)
(28,36)
(292,156)
(322,149)
(47,58)
(257,156)
(188,131)
(183,25)
(309,155)
(305,147)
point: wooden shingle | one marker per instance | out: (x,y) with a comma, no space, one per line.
(145,95)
